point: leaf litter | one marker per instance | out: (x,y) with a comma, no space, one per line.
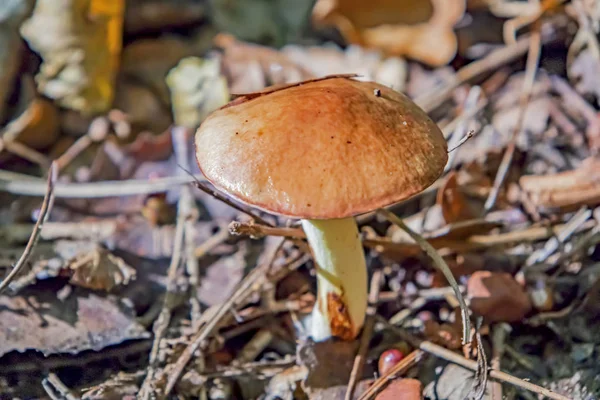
(132,261)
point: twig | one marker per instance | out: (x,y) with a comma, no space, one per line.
(181,231)
(533,58)
(97,132)
(56,389)
(407,362)
(241,292)
(452,357)
(44,213)
(441,265)
(27,185)
(367,334)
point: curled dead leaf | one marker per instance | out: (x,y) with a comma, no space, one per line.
(453,202)
(38,320)
(421,30)
(98,269)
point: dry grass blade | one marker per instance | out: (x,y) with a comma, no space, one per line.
(441,265)
(410,360)
(57,390)
(44,212)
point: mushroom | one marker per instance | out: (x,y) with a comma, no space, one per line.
(324,151)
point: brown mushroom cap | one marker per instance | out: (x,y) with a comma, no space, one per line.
(327,148)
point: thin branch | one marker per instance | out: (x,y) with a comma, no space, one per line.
(44,213)
(441,265)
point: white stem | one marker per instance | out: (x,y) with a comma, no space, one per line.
(341,278)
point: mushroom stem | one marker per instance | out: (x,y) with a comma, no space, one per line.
(341,278)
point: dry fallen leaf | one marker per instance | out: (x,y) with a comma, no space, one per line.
(565,190)
(37,320)
(99,269)
(421,30)
(80,43)
(453,202)
(497,297)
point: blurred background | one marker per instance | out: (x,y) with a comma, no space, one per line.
(132,261)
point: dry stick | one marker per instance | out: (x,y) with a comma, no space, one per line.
(162,322)
(407,362)
(27,185)
(182,153)
(455,358)
(441,265)
(365,339)
(241,292)
(44,213)
(533,58)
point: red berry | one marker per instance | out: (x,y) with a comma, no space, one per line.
(388,359)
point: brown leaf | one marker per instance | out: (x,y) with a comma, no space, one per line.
(37,320)
(566,190)
(98,269)
(497,297)
(453,202)
(420,30)
(402,389)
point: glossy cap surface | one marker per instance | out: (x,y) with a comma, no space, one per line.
(328,148)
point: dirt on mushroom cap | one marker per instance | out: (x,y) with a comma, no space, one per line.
(330,148)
